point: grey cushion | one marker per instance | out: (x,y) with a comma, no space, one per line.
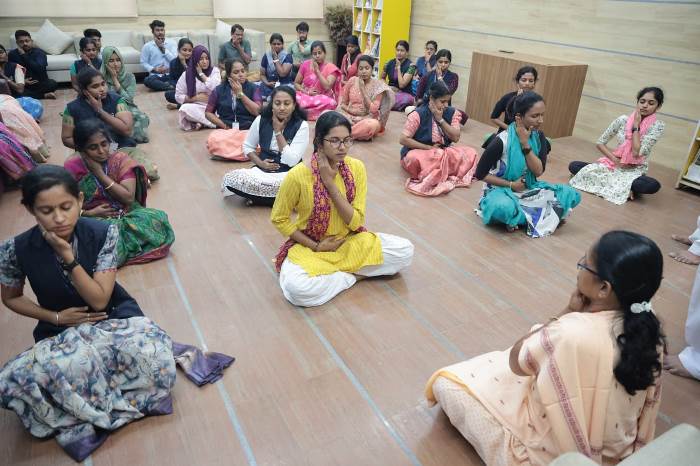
(60,62)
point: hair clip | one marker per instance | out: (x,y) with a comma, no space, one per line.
(638,308)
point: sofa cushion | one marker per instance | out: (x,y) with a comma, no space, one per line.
(222,32)
(200,38)
(60,62)
(51,39)
(130,55)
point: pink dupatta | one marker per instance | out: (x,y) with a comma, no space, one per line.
(311,81)
(320,216)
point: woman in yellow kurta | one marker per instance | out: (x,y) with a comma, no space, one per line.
(587,381)
(328,244)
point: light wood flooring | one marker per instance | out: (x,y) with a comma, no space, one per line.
(343,383)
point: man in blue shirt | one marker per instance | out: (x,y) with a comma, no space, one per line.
(36,81)
(156,56)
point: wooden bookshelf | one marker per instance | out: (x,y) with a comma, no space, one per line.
(692,155)
(378,25)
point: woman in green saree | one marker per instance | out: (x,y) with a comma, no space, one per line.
(114,187)
(123,82)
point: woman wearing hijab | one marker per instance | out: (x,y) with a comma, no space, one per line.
(193,89)
(123,83)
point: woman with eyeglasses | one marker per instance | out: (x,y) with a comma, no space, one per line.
(587,381)
(328,248)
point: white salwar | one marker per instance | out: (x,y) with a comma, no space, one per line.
(302,290)
(193,113)
(256,182)
(695,238)
(690,356)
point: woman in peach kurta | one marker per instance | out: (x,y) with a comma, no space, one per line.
(366,101)
(587,381)
(327,245)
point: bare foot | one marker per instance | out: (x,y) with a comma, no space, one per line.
(171,106)
(685,257)
(197,126)
(631,196)
(511,229)
(682,239)
(50,95)
(674,366)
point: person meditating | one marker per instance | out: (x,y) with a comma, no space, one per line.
(510,166)
(348,65)
(194,88)
(123,82)
(88,57)
(36,80)
(440,73)
(435,166)
(156,56)
(275,143)
(328,246)
(366,101)
(232,107)
(114,189)
(621,174)
(588,381)
(275,67)
(300,48)
(400,71)
(317,83)
(237,48)
(98,363)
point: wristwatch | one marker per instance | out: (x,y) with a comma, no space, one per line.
(634,128)
(239,95)
(527,150)
(69,267)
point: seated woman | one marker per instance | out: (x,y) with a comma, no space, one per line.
(194,88)
(348,66)
(586,382)
(24,128)
(89,57)
(435,165)
(282,134)
(621,173)
(317,83)
(328,246)
(509,168)
(502,115)
(427,62)
(102,364)
(232,107)
(113,188)
(400,72)
(95,101)
(178,65)
(123,82)
(275,67)
(366,101)
(13,75)
(440,73)
(15,161)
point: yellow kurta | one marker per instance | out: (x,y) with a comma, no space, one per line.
(358,250)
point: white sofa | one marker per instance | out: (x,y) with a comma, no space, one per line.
(130,43)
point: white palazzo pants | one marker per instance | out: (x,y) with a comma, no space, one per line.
(302,290)
(690,356)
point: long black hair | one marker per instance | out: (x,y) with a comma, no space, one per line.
(633,265)
(658,94)
(87,128)
(437,90)
(46,177)
(525,101)
(85,77)
(299,113)
(326,123)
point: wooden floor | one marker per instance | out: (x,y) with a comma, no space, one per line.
(343,383)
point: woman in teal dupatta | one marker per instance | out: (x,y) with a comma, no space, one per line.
(123,82)
(114,188)
(510,166)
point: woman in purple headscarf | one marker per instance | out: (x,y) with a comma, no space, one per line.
(193,89)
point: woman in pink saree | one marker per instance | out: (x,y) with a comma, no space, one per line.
(317,83)
(436,166)
(366,101)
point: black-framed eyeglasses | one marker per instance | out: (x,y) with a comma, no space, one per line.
(581,265)
(347,142)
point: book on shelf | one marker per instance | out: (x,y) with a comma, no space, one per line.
(375,48)
(358,3)
(693,173)
(368,26)
(358,24)
(368,4)
(368,48)
(380,4)
(378,25)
